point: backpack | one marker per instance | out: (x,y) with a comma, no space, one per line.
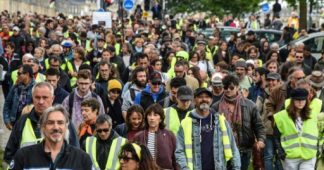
(71,99)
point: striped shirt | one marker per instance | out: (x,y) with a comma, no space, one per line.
(151,144)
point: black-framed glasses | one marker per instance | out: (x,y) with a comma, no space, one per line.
(102,130)
(125,158)
(229,87)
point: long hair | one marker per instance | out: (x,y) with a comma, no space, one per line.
(146,161)
(135,108)
(304,113)
(157,109)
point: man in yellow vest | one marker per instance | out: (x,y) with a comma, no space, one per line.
(27,129)
(205,139)
(178,111)
(104,148)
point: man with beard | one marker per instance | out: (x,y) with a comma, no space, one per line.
(138,83)
(54,150)
(245,81)
(243,116)
(260,83)
(27,129)
(205,136)
(104,71)
(217,88)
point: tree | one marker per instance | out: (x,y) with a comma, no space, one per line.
(218,7)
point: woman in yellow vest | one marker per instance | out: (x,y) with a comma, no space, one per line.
(136,157)
(75,63)
(296,133)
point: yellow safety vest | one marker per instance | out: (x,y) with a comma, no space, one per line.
(69,65)
(47,65)
(171,120)
(297,145)
(112,161)
(28,136)
(186,125)
(39,78)
(315,105)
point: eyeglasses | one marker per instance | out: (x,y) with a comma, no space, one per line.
(102,130)
(115,91)
(297,56)
(20,73)
(125,158)
(229,87)
(157,83)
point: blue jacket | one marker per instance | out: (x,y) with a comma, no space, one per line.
(11,104)
(219,158)
(60,94)
(146,97)
(254,92)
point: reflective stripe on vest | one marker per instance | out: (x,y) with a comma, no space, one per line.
(112,161)
(171,120)
(187,129)
(28,136)
(315,105)
(297,145)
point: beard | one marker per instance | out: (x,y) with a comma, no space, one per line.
(140,84)
(204,107)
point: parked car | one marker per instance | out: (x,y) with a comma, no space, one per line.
(314,40)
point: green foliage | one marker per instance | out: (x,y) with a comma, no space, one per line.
(218,7)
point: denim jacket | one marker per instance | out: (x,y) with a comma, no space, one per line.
(12,101)
(219,157)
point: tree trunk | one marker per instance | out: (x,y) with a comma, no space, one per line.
(303,14)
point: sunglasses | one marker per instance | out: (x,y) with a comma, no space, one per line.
(125,158)
(229,87)
(157,83)
(299,78)
(115,91)
(102,130)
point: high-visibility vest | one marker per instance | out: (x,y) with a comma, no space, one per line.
(171,120)
(39,78)
(297,145)
(186,125)
(112,161)
(315,105)
(28,136)
(69,65)
(47,65)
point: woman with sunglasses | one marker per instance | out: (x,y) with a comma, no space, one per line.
(136,157)
(160,142)
(133,124)
(296,132)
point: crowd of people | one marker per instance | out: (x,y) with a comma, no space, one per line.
(157,94)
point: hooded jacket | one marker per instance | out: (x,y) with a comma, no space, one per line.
(147,98)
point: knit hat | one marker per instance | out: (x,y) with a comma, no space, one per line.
(299,94)
(114,84)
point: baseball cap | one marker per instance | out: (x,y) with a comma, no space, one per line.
(15,28)
(201,42)
(217,81)
(184,93)
(273,76)
(299,94)
(155,77)
(202,90)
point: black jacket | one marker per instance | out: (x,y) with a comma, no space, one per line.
(15,137)
(60,94)
(252,126)
(34,156)
(115,112)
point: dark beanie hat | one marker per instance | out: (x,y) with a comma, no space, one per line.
(299,94)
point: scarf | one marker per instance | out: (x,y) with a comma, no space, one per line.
(234,118)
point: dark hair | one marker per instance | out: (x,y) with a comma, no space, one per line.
(146,161)
(55,59)
(135,71)
(176,82)
(103,63)
(85,74)
(270,62)
(154,61)
(270,54)
(140,56)
(52,72)
(26,68)
(261,71)
(91,102)
(230,79)
(304,113)
(157,109)
(130,111)
(11,45)
(81,52)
